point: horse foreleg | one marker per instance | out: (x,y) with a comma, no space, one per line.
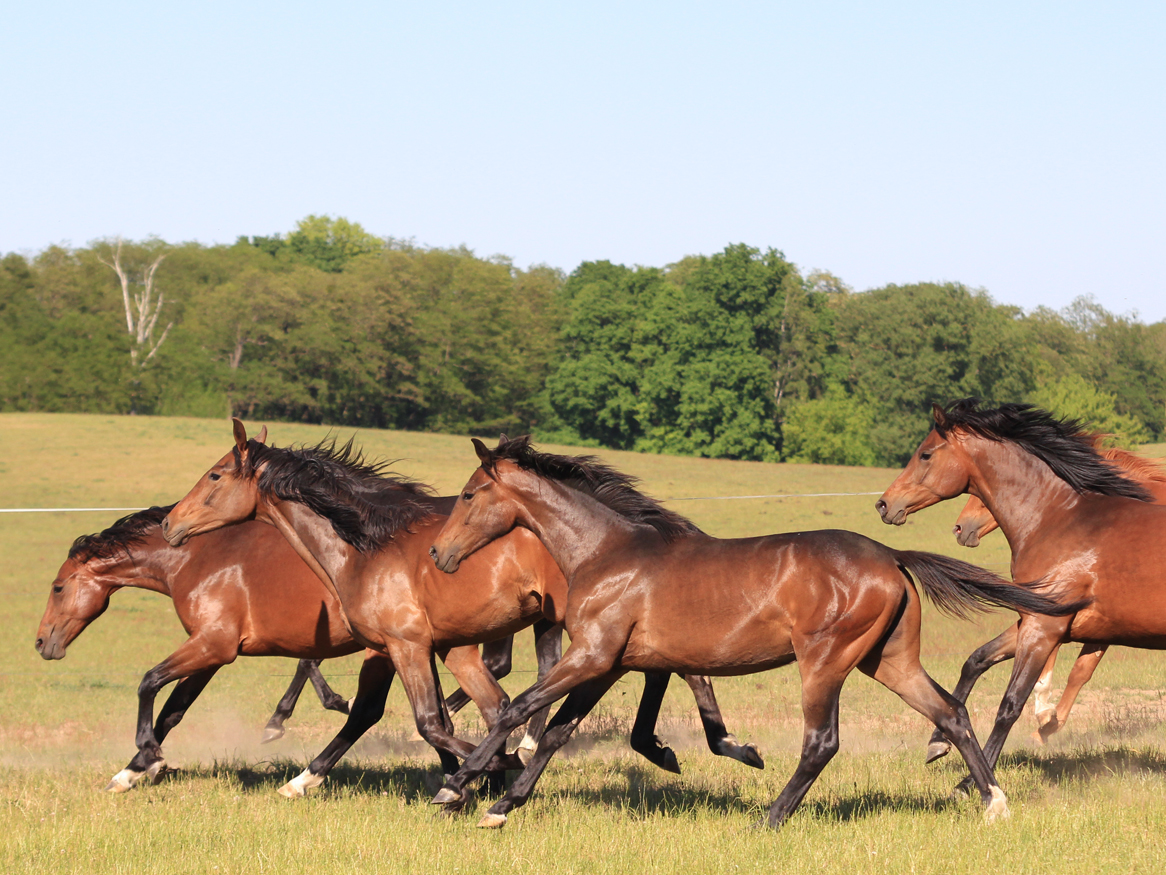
(1000,648)
(644,740)
(1082,671)
(578,705)
(548,649)
(720,740)
(329,698)
(498,658)
(287,703)
(1037,637)
(576,667)
(193,658)
(376,676)
(820,691)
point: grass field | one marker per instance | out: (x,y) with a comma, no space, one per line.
(1094,798)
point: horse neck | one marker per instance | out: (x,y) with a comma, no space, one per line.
(148,565)
(315,542)
(1021,491)
(574,527)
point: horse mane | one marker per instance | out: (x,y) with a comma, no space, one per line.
(366,504)
(119,537)
(1062,444)
(611,488)
(1137,467)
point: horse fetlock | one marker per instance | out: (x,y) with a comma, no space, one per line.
(298,786)
(997,807)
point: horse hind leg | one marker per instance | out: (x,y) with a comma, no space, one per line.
(1082,671)
(1042,693)
(548,648)
(720,740)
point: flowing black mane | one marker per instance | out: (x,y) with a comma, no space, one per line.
(119,537)
(606,485)
(1062,444)
(366,504)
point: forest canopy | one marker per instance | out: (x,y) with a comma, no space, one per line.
(731,355)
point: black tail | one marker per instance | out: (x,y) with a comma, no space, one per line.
(959,588)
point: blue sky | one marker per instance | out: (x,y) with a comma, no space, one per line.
(1017,147)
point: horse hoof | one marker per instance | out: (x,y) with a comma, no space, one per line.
(445,796)
(751,757)
(271,733)
(492,821)
(997,809)
(290,791)
(123,781)
(158,771)
(670,763)
(937,750)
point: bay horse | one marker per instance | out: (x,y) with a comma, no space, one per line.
(240,592)
(974,522)
(648,591)
(1072,520)
(367,539)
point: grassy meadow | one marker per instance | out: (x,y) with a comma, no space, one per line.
(1094,797)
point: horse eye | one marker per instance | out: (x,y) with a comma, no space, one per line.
(467,496)
(58,587)
(923,457)
(214,476)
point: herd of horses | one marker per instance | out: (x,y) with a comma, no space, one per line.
(313,553)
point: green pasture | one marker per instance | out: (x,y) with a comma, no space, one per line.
(1094,799)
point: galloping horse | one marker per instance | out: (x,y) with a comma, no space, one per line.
(974,522)
(1072,519)
(649,592)
(349,522)
(240,592)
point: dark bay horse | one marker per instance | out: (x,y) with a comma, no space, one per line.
(368,541)
(1072,519)
(240,592)
(974,522)
(649,592)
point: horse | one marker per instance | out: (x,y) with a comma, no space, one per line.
(648,591)
(1073,521)
(367,539)
(240,592)
(974,522)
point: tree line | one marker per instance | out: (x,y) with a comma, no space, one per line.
(731,355)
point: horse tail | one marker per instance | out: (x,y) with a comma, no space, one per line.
(960,588)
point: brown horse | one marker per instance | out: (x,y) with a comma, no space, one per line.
(348,521)
(1071,518)
(240,592)
(974,522)
(648,591)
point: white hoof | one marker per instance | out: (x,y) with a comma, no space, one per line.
(298,786)
(123,781)
(492,821)
(998,808)
(271,733)
(155,771)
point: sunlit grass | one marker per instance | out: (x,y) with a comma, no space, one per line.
(1094,798)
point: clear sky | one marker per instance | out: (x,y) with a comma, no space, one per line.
(1014,146)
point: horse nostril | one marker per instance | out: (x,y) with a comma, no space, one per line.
(957,529)
(881,507)
(433,553)
(40,645)
(165,526)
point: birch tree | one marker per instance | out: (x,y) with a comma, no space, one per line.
(143,305)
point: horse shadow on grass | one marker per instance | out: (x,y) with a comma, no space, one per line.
(1087,764)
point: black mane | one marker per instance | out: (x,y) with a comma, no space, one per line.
(588,475)
(1062,444)
(365,504)
(119,537)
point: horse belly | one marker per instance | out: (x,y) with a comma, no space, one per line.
(707,650)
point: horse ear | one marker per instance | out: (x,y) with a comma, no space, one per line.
(261,438)
(482,451)
(240,434)
(502,439)
(939,416)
